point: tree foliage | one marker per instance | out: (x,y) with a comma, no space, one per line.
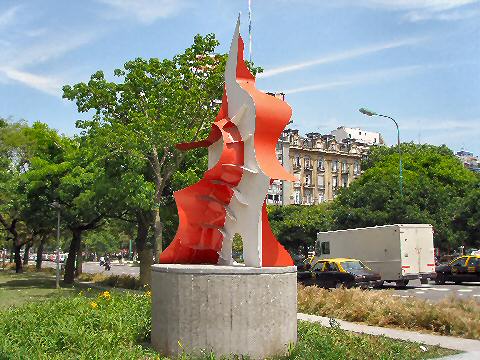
(296,226)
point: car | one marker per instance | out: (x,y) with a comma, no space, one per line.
(462,269)
(304,266)
(342,272)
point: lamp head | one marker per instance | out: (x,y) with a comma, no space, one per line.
(367,112)
(55,205)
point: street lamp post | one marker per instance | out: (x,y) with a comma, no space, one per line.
(56,205)
(400,166)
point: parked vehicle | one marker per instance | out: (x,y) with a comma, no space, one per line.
(334,273)
(462,269)
(304,267)
(399,253)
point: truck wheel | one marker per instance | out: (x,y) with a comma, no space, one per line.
(401,283)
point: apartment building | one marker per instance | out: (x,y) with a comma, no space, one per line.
(321,165)
(469,160)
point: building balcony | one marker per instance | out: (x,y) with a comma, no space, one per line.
(308,185)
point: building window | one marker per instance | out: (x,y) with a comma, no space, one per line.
(334,182)
(308,179)
(308,197)
(321,181)
(297,161)
(345,180)
(321,197)
(335,165)
(321,164)
(356,168)
(279,146)
(307,163)
(344,166)
(296,196)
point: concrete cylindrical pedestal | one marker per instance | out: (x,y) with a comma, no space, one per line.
(224,309)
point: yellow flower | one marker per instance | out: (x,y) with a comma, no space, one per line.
(106,295)
(93,305)
(148,293)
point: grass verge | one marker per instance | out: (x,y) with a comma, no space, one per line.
(117,326)
(17,289)
(448,317)
(120,281)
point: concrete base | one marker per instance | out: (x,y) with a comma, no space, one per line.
(225,309)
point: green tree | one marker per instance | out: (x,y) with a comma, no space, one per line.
(16,149)
(466,220)
(434,181)
(296,226)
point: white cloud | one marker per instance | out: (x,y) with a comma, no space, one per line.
(9,16)
(377,75)
(49,48)
(429,5)
(49,85)
(17,60)
(415,16)
(341,56)
(422,10)
(145,11)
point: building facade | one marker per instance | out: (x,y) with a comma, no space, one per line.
(361,136)
(469,160)
(321,165)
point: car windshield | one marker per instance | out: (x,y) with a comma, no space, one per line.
(352,265)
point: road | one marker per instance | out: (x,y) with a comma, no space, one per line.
(434,292)
(429,291)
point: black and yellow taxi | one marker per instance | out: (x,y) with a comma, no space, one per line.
(342,272)
(462,269)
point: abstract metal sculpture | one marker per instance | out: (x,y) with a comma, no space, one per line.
(242,161)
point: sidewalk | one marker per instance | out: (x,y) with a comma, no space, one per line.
(471,347)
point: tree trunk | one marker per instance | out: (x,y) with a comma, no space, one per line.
(157,235)
(18,258)
(69,275)
(79,264)
(145,254)
(39,260)
(12,254)
(26,253)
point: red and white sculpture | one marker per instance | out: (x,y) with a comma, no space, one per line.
(230,198)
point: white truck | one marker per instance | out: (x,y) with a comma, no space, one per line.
(399,252)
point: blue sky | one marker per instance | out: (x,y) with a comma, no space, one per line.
(416,60)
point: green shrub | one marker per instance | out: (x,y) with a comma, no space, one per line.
(119,281)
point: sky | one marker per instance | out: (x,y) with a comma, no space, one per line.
(415,60)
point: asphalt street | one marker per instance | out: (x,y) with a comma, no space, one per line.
(429,291)
(434,292)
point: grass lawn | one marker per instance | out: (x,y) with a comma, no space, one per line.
(17,289)
(74,324)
